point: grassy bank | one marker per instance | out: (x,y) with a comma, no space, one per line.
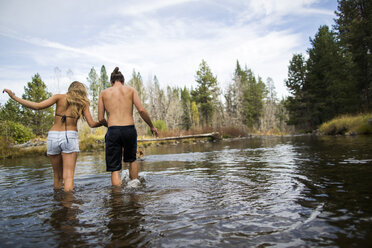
(348,125)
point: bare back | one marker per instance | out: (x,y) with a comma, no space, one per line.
(61,109)
(118,103)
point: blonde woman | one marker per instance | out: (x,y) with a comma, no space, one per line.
(63,141)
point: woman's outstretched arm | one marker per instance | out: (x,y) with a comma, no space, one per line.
(33,105)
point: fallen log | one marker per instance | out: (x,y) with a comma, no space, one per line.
(213,136)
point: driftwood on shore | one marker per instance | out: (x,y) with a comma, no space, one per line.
(213,136)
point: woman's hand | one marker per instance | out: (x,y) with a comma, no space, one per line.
(10,93)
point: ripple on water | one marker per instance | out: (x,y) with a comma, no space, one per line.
(269,192)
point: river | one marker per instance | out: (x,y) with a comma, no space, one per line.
(298,191)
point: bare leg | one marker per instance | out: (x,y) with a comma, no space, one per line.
(133,170)
(115,178)
(57,165)
(69,163)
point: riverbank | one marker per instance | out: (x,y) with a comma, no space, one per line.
(92,142)
(348,125)
(89,142)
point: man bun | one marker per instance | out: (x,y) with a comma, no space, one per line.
(117,76)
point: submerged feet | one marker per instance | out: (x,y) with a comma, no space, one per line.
(135,183)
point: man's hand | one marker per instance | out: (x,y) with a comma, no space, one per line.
(154,130)
(103,122)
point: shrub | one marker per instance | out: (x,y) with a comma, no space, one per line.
(160,125)
(16,131)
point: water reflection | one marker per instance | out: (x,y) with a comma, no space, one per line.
(125,219)
(64,219)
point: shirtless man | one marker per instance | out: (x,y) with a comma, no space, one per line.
(118,102)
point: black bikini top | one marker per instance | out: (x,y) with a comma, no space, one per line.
(63,119)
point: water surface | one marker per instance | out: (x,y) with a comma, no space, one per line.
(254,192)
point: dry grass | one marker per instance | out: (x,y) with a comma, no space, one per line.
(347,124)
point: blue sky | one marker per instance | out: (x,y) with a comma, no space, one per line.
(166,38)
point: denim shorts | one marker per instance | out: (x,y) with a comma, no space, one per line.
(57,142)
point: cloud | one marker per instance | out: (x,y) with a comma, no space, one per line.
(164,38)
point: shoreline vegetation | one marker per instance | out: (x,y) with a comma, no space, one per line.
(94,141)
(348,125)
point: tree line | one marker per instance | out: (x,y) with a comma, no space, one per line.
(335,77)
(248,104)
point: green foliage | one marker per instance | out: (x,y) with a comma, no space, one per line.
(186,105)
(39,121)
(194,115)
(354,26)
(322,87)
(204,93)
(103,79)
(11,111)
(160,125)
(336,78)
(250,93)
(137,83)
(16,131)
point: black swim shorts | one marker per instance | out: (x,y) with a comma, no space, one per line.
(117,138)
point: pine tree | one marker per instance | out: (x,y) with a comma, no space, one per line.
(297,104)
(354,26)
(94,89)
(186,106)
(330,86)
(11,111)
(250,96)
(38,120)
(137,83)
(322,87)
(103,79)
(203,94)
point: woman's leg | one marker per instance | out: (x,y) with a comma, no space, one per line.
(69,163)
(57,165)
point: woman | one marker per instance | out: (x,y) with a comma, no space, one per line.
(63,141)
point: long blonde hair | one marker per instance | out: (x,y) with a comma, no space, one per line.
(77,99)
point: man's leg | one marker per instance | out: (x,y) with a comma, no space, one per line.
(115,178)
(133,170)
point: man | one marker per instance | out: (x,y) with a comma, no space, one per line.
(118,102)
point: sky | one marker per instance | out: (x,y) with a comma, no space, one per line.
(63,40)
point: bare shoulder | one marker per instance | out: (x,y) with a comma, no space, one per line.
(104,92)
(59,96)
(129,88)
